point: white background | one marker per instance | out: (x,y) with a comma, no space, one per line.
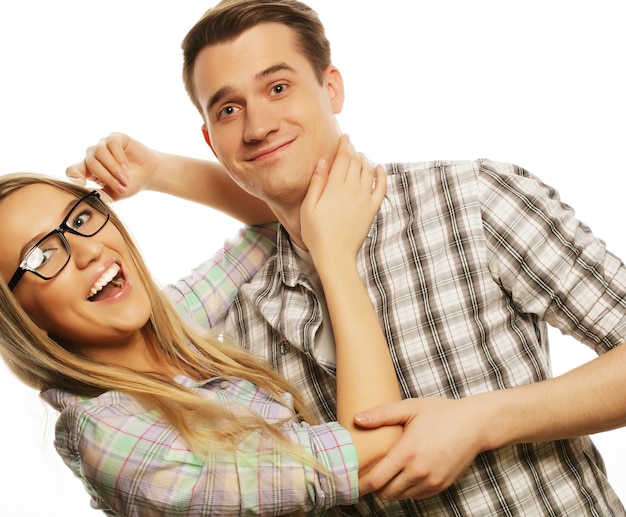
(538,83)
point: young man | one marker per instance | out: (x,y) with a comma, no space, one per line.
(465,264)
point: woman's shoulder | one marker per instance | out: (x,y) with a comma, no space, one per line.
(62,400)
(95,426)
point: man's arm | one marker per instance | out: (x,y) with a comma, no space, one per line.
(124,166)
(442,437)
(567,278)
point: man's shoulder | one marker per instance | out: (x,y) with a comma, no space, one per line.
(432,184)
(435,173)
(444,165)
(425,177)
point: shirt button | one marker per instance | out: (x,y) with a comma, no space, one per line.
(284,347)
(224,384)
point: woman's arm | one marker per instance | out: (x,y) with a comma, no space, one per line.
(124,166)
(336,215)
(132,462)
(205,295)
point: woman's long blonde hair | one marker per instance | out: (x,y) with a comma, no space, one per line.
(43,363)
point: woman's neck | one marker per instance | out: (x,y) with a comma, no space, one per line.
(139,354)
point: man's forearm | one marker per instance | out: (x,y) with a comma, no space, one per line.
(587,400)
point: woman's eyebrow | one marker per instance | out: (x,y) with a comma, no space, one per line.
(27,247)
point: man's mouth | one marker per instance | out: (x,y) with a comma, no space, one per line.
(267,152)
(109,284)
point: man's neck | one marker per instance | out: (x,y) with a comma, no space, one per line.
(290,219)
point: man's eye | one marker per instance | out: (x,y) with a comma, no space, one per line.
(278,89)
(228,111)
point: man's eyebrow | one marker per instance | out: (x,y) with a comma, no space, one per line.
(279,67)
(224,91)
(27,247)
(218,96)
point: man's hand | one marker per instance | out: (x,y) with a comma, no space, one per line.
(440,441)
(121,165)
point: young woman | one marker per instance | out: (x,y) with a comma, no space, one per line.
(156,417)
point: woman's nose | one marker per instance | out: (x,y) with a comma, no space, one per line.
(84,249)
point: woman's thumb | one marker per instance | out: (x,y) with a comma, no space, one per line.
(318,181)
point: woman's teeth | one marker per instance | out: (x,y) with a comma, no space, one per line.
(105,278)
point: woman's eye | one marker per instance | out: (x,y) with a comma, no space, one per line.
(38,257)
(80,220)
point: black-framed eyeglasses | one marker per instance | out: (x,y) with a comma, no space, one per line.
(50,255)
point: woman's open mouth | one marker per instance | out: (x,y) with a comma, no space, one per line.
(108,285)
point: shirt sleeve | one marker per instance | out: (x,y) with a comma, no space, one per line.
(205,295)
(549,262)
(136,465)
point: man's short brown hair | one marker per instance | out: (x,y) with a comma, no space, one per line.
(229,18)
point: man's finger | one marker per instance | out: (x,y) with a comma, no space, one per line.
(390,414)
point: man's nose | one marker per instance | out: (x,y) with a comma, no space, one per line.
(261,120)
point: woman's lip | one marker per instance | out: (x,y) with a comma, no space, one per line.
(123,290)
(101,270)
(119,293)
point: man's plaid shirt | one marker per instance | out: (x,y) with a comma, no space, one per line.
(465,264)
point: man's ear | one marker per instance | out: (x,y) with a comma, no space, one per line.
(334,87)
(207,138)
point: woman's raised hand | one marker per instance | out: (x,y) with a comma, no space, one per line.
(118,163)
(340,205)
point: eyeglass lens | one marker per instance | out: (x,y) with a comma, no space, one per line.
(52,253)
(48,257)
